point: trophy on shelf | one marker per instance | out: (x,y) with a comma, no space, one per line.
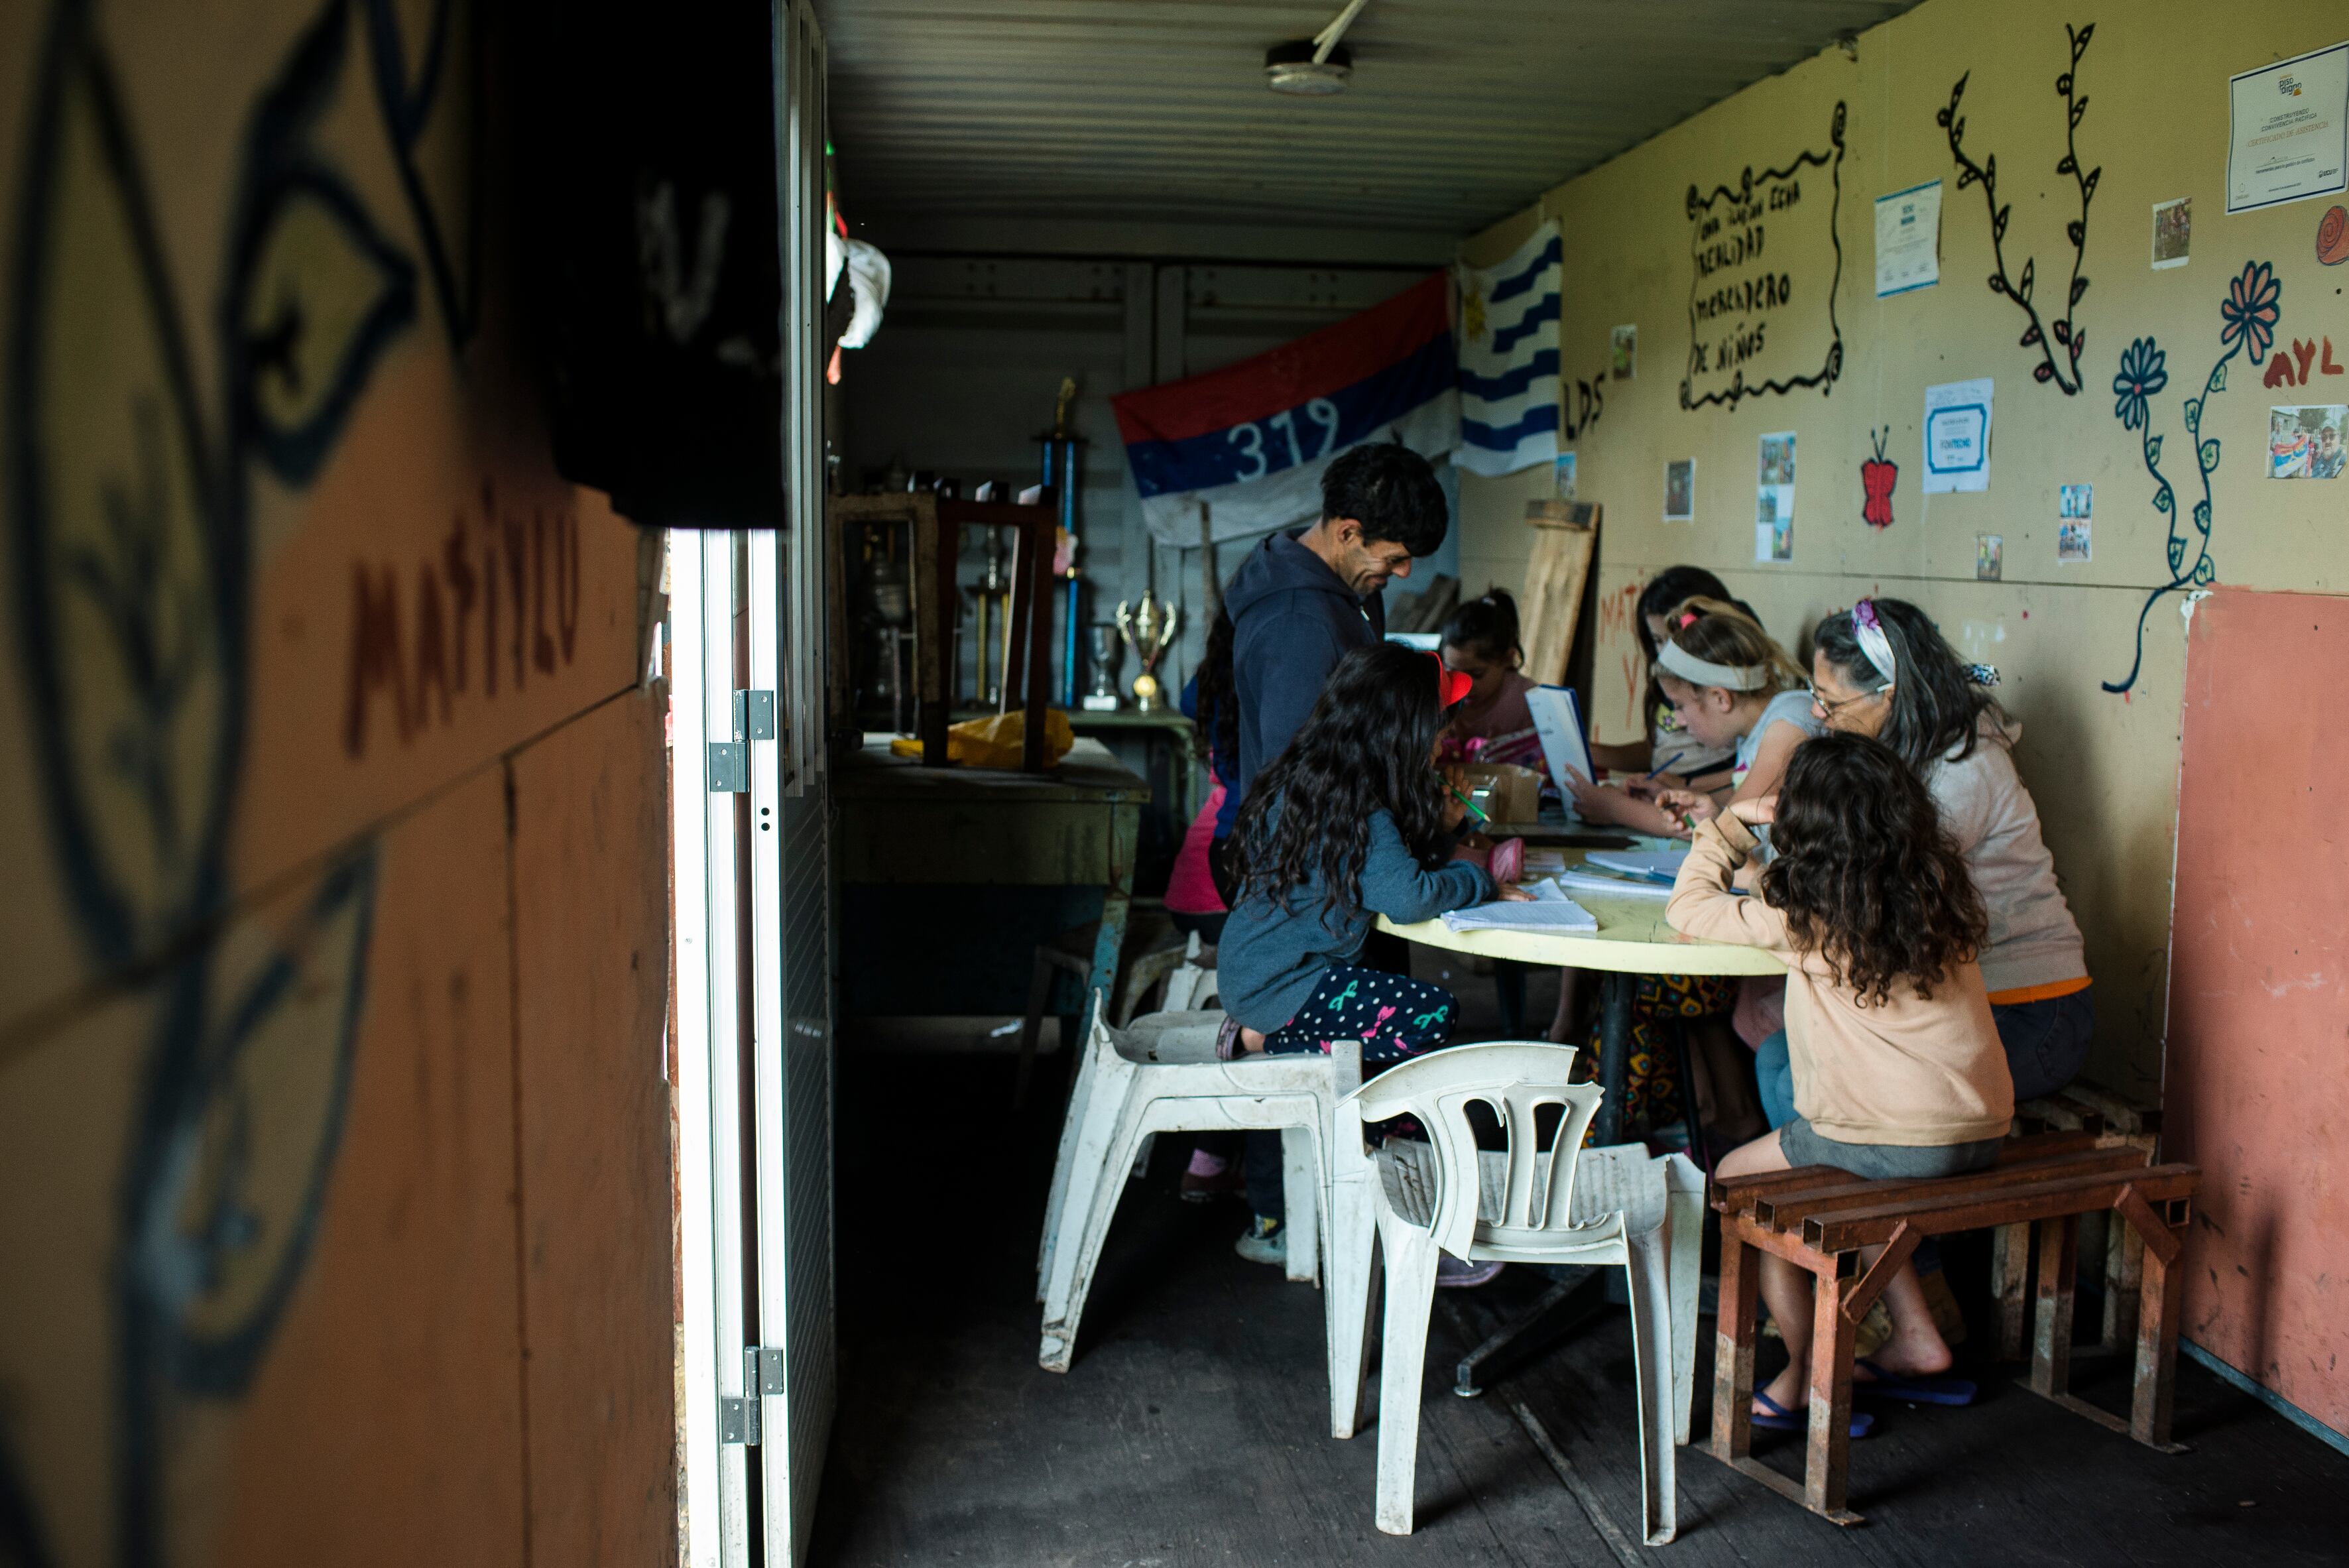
(1149,633)
(1107,656)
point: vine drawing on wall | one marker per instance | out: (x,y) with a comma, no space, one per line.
(2247,325)
(2051,332)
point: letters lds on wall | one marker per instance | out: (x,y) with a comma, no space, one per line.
(1766,262)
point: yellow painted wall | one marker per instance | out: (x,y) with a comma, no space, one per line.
(333,1145)
(2103,767)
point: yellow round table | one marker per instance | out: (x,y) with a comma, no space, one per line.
(1632,939)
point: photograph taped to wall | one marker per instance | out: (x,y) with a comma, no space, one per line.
(2288,130)
(1909,240)
(2173,232)
(1990,550)
(1623,353)
(1773,498)
(2072,542)
(2307,442)
(1957,435)
(2076,503)
(1679,491)
(1562,476)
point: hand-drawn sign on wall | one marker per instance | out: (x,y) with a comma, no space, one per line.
(1765,264)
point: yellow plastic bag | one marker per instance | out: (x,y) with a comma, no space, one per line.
(995,740)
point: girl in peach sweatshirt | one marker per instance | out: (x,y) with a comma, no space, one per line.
(1897,1069)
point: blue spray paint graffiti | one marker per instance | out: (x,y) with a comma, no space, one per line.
(130,523)
(2247,318)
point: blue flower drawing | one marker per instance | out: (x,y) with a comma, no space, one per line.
(2141,376)
(2247,318)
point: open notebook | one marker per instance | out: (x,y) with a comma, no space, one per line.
(1550,910)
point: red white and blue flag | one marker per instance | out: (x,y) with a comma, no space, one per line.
(1251,439)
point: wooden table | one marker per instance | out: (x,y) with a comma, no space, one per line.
(951,877)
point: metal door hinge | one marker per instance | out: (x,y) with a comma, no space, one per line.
(738,1421)
(730,767)
(754,716)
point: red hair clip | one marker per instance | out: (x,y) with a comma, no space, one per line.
(1451,686)
(1688,618)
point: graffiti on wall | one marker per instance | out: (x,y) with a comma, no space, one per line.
(1766,264)
(137,434)
(2055,331)
(499,601)
(2247,327)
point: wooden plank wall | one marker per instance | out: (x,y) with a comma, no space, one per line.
(334,1142)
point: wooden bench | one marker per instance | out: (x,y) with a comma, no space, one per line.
(1819,1218)
(2081,1106)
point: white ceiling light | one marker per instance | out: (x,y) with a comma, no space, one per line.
(1314,66)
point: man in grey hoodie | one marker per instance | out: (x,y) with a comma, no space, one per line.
(1307,597)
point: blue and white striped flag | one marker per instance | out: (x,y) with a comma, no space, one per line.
(1509,360)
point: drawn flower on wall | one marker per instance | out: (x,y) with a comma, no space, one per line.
(2247,315)
(2251,308)
(2141,376)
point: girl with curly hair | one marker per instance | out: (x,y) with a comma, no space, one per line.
(1897,1069)
(1351,822)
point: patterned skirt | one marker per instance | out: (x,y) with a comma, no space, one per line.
(1653,1096)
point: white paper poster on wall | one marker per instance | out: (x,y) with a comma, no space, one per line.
(1909,240)
(2288,130)
(1957,437)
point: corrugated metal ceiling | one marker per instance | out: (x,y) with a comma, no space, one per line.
(1459,112)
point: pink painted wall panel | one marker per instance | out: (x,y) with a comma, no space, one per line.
(2258,1078)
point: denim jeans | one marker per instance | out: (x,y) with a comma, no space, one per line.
(2046,1043)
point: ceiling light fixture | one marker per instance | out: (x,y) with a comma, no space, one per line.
(1314,66)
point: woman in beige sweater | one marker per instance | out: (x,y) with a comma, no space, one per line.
(1897,1069)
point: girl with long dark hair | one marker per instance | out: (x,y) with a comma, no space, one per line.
(1898,1071)
(1883,669)
(1493,724)
(1352,822)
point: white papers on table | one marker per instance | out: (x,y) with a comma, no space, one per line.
(1558,719)
(1544,862)
(1551,910)
(1660,866)
(1611,887)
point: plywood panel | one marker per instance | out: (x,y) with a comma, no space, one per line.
(387,1425)
(591,946)
(2260,992)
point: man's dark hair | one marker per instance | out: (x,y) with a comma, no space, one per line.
(1392,492)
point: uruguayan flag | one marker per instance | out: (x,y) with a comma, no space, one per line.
(1251,441)
(1509,360)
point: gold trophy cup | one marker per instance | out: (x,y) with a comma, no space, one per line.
(1149,633)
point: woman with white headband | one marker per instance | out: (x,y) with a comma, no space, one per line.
(1733,689)
(1731,685)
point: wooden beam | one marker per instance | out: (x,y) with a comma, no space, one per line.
(1865,1227)
(1897,1252)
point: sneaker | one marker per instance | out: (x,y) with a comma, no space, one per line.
(1209,1177)
(1262,1242)
(1453,1272)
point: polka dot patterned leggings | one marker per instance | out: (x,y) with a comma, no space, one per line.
(1393,1016)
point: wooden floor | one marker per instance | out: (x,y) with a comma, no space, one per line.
(1191,1429)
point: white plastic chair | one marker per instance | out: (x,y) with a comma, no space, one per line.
(1565,1205)
(1192,987)
(1161,1076)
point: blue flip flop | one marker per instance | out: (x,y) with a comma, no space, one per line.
(1782,1419)
(1927,1390)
